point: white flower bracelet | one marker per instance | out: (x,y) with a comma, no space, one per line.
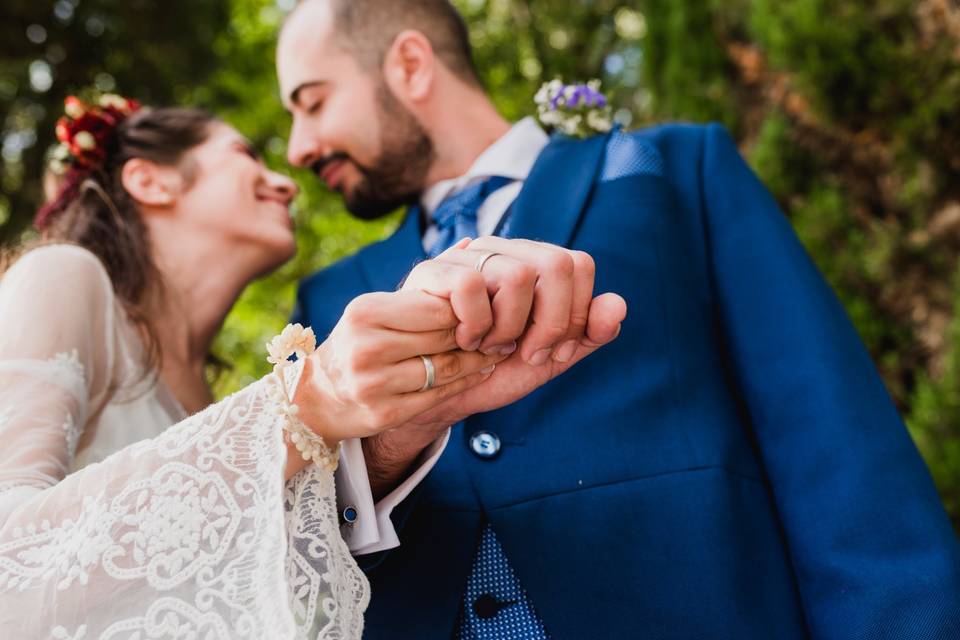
(302,342)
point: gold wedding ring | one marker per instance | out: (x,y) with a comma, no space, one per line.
(482,260)
(431,373)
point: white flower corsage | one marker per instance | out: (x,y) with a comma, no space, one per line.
(295,340)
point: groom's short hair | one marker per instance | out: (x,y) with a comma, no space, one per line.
(367,28)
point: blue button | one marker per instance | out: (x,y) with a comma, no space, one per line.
(485,444)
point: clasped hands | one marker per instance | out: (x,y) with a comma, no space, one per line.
(494,335)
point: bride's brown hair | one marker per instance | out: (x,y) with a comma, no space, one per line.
(102,217)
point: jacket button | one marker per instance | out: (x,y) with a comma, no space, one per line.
(485,444)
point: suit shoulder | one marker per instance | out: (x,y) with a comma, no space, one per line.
(679,136)
(678,146)
(651,151)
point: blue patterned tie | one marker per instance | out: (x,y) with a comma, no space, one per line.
(495,604)
(456,217)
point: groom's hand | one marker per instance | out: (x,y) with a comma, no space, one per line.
(541,296)
(533,292)
(514,378)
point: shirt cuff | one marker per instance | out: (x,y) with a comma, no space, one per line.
(372,529)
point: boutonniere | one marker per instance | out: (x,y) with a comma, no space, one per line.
(578,110)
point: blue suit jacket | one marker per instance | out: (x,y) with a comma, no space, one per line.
(730,467)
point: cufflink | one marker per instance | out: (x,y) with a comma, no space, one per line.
(349,516)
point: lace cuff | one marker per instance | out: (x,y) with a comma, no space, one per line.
(295,340)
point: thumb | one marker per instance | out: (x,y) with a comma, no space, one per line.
(607,313)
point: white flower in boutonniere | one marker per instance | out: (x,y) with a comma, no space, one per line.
(578,110)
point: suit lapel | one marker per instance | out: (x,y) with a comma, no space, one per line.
(556,191)
(385,264)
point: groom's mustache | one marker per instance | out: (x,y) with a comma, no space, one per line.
(318,166)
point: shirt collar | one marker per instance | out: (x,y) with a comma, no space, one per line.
(511,156)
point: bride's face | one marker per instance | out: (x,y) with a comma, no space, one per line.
(234,200)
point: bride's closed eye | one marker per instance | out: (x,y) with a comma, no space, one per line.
(248,149)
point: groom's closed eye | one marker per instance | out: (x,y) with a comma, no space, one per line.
(298,99)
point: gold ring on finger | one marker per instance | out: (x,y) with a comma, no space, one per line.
(431,373)
(482,260)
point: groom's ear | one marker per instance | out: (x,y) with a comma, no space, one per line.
(409,67)
(150,184)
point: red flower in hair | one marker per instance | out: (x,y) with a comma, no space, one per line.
(74,107)
(86,135)
(89,136)
(63,130)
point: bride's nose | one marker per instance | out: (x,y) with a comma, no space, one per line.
(282,185)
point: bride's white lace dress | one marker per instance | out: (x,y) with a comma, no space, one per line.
(115,524)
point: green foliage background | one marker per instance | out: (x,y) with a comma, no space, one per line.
(847,110)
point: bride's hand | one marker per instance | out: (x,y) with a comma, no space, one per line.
(366,376)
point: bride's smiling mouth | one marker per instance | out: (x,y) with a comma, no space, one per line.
(281,205)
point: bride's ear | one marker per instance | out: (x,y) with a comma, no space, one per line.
(409,66)
(150,184)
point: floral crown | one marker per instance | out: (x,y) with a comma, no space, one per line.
(87,134)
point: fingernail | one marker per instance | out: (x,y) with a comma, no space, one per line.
(473,346)
(540,357)
(500,349)
(488,370)
(565,351)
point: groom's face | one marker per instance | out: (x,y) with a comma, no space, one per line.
(347,125)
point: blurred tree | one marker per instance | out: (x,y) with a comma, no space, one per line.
(50,49)
(846,110)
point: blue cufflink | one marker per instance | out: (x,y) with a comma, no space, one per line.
(349,516)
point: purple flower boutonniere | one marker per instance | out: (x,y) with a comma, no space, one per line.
(578,110)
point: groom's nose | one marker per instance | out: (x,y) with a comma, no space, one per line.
(304,147)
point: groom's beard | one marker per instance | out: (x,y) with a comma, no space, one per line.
(397,176)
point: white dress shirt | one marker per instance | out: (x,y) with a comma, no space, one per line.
(512,156)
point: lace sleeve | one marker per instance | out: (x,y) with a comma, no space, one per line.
(190,534)
(56,364)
